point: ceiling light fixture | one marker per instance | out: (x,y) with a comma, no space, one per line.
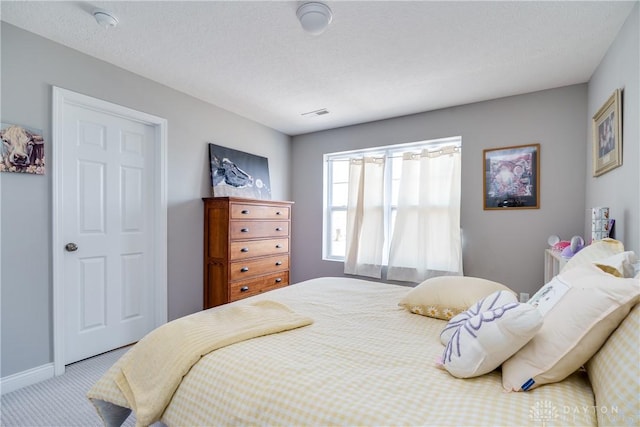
(105,19)
(314,17)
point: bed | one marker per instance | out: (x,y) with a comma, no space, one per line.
(364,360)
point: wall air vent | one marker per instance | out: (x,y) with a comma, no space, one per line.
(320,112)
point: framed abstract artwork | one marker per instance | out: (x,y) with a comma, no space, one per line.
(238,174)
(607,135)
(512,177)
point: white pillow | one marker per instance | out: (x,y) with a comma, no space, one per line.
(494,300)
(599,249)
(486,340)
(581,307)
(620,264)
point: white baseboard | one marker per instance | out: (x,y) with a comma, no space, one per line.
(26,378)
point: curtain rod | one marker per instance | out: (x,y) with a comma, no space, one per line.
(450,149)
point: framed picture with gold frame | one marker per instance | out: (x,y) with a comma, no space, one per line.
(607,135)
(512,177)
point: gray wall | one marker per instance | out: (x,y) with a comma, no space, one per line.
(505,245)
(620,188)
(30,66)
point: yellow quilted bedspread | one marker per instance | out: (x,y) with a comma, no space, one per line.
(364,362)
(156,365)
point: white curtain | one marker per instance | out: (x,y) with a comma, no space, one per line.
(365,217)
(426,238)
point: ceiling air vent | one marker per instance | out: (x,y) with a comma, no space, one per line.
(320,112)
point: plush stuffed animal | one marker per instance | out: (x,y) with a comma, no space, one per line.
(566,248)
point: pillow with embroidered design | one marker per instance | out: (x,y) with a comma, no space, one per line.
(486,340)
(581,307)
(494,300)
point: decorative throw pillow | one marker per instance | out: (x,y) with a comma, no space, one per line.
(598,250)
(486,340)
(581,307)
(444,297)
(494,300)
(620,265)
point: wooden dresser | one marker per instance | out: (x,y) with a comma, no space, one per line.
(246,247)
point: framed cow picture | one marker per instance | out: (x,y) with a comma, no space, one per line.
(22,149)
(238,174)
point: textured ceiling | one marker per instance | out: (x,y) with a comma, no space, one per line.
(378,59)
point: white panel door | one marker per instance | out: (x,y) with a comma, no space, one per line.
(108,224)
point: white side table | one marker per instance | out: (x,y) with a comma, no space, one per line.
(553,264)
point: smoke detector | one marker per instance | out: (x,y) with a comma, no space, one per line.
(105,19)
(314,17)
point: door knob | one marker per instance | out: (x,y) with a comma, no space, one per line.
(71,247)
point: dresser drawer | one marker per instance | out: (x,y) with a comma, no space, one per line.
(253,267)
(257,248)
(247,288)
(249,211)
(257,229)
(246,247)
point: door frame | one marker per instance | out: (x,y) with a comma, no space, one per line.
(61,97)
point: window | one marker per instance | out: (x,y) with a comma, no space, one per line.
(336,190)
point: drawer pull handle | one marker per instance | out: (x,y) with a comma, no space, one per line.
(244,269)
(244,230)
(278,228)
(278,246)
(244,250)
(278,213)
(244,289)
(278,280)
(245,212)
(278,262)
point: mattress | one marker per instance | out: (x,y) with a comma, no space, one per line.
(363,361)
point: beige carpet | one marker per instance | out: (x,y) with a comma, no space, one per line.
(60,401)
